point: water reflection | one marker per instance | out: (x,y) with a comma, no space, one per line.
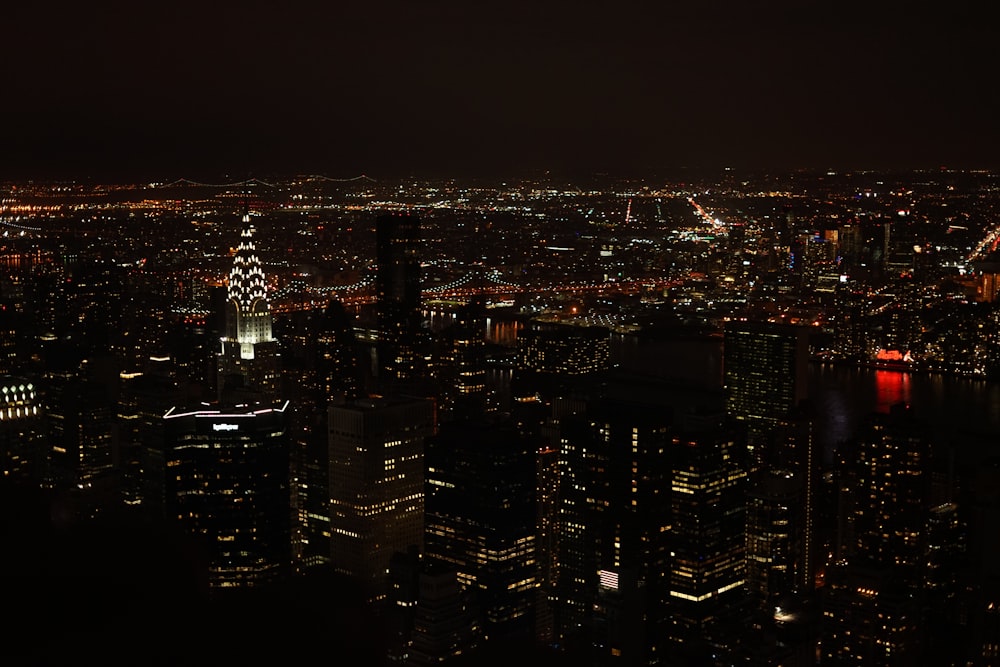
(438,320)
(891,388)
(502,332)
(954,407)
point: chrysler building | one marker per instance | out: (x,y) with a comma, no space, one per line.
(249,357)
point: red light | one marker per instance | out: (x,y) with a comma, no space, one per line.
(891,387)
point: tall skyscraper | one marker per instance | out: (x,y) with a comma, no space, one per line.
(613,527)
(547,538)
(461,366)
(480,518)
(249,358)
(225,476)
(320,367)
(80,411)
(707,572)
(397,239)
(376,485)
(224,466)
(775,539)
(765,367)
(795,452)
(143,400)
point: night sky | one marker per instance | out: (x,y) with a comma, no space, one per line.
(171,89)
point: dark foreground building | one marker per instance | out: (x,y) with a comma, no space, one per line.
(226,484)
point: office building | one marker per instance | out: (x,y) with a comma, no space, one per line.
(765,368)
(143,400)
(320,366)
(444,627)
(376,485)
(249,356)
(776,539)
(547,538)
(399,348)
(225,481)
(80,415)
(706,580)
(613,525)
(480,517)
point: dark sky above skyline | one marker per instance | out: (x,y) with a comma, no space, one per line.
(166,90)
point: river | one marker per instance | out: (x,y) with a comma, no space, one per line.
(958,411)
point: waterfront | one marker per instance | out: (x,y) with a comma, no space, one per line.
(959,412)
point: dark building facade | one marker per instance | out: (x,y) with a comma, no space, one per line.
(398,299)
(705,589)
(480,518)
(874,603)
(23,455)
(376,485)
(320,364)
(765,368)
(225,476)
(612,526)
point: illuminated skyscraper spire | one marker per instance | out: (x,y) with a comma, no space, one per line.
(248,318)
(248,348)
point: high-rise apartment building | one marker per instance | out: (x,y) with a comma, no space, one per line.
(564,349)
(461,366)
(874,599)
(14,333)
(892,498)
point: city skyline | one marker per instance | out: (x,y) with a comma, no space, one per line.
(726,419)
(113,90)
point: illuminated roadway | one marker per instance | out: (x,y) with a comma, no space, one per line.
(986,246)
(705,215)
